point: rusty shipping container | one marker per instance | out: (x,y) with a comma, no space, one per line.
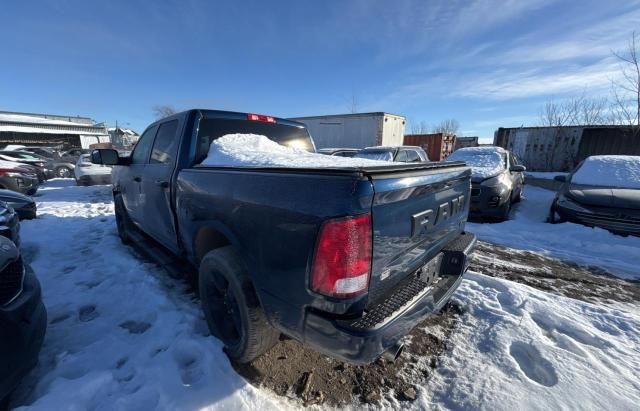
(437,145)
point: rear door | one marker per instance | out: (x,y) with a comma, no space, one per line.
(156,184)
(129,178)
(415,213)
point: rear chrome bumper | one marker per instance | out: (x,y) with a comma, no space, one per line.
(362,340)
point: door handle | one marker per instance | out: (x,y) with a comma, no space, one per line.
(137,179)
(162,184)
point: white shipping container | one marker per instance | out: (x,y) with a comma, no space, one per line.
(358,130)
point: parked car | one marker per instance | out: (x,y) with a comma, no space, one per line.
(497,180)
(401,154)
(22,204)
(18,177)
(51,153)
(602,191)
(341,152)
(347,260)
(86,173)
(23,318)
(9,223)
(43,165)
(72,155)
(63,164)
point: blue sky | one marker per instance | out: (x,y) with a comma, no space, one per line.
(485,63)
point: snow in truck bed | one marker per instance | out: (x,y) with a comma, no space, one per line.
(253,150)
(609,171)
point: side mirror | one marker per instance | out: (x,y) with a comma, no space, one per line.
(560,178)
(105,156)
(518,169)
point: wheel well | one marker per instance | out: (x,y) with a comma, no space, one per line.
(208,239)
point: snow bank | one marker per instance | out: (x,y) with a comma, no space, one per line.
(520,348)
(253,150)
(527,230)
(609,171)
(485,162)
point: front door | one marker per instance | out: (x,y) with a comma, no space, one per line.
(130,177)
(158,206)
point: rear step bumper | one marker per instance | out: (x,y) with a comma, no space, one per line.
(362,340)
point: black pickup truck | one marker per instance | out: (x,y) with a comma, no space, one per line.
(347,259)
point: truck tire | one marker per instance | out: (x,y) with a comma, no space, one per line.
(231,308)
(122,219)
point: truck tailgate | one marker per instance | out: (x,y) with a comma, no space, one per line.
(415,214)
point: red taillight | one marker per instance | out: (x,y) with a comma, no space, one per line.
(4,171)
(261,117)
(342,260)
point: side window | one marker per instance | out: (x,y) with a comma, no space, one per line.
(412,156)
(402,156)
(166,145)
(140,153)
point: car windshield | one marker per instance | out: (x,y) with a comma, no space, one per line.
(484,163)
(609,171)
(487,158)
(382,155)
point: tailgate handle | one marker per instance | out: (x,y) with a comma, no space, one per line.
(162,184)
(137,179)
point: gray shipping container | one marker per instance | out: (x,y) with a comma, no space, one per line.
(358,130)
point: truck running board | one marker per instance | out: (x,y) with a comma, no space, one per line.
(174,266)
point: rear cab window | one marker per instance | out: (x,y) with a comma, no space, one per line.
(213,128)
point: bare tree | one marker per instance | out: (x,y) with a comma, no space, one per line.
(626,90)
(420,128)
(575,111)
(448,126)
(164,111)
(553,114)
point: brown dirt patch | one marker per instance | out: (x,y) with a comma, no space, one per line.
(295,371)
(549,274)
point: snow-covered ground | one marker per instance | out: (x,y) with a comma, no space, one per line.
(521,348)
(123,335)
(527,230)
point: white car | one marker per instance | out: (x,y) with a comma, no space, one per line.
(87,173)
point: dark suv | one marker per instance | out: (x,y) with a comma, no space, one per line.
(602,191)
(497,180)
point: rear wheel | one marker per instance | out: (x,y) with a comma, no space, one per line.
(63,172)
(231,308)
(554,217)
(122,220)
